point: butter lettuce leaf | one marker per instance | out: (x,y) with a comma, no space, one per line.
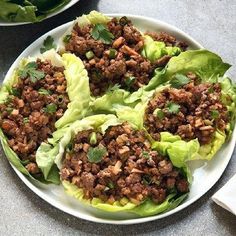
(147,208)
(153,50)
(97,122)
(77,90)
(207,65)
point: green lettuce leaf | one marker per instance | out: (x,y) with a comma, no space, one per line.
(98,122)
(228,89)
(77,89)
(207,151)
(147,208)
(207,65)
(153,50)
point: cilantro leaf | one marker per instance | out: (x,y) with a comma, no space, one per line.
(173,107)
(48,44)
(30,70)
(44,91)
(100,32)
(215,114)
(96,154)
(50,108)
(179,81)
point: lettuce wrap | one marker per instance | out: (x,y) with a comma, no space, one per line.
(77,81)
(151,50)
(177,150)
(208,66)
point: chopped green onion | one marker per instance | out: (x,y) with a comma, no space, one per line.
(89,55)
(159,113)
(26,120)
(145,154)
(110,185)
(93,138)
(112,53)
(67,38)
(129,81)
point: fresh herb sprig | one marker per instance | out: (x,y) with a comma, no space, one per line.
(31,71)
(100,32)
(48,44)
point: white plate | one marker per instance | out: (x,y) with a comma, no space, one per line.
(68,5)
(205,174)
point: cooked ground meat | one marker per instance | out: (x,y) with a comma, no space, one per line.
(127,168)
(119,62)
(30,112)
(169,40)
(198,111)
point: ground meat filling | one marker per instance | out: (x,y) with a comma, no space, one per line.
(119,62)
(128,168)
(30,112)
(169,40)
(193,111)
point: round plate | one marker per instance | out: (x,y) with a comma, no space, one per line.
(68,5)
(205,174)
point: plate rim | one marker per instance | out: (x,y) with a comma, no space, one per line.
(42,195)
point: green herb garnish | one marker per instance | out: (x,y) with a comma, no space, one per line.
(179,81)
(129,81)
(173,107)
(44,91)
(48,44)
(15,92)
(111,185)
(89,55)
(100,32)
(9,109)
(112,53)
(69,147)
(215,114)
(50,108)
(146,155)
(26,120)
(30,70)
(96,154)
(67,38)
(159,113)
(93,138)
(146,180)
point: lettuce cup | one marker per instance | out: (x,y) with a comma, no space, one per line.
(113,166)
(189,99)
(40,97)
(115,53)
